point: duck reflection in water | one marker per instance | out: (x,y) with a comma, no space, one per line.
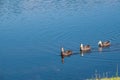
(65,53)
(100,49)
(62,57)
(82,53)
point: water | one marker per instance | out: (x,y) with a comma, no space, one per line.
(33,31)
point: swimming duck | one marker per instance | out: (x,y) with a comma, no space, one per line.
(85,48)
(104,44)
(65,53)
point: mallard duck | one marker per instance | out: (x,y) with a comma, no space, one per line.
(85,48)
(65,53)
(104,44)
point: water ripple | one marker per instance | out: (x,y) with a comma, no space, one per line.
(10,8)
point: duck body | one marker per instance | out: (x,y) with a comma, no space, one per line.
(85,48)
(104,44)
(65,53)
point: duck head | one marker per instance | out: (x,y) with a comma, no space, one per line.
(81,45)
(100,42)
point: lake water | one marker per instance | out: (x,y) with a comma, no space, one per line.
(33,31)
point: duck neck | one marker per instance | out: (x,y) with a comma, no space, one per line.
(81,46)
(62,49)
(100,43)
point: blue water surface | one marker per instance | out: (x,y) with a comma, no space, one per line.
(32,33)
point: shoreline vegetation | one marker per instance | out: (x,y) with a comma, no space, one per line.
(117,77)
(112,78)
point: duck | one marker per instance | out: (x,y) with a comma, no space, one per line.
(65,53)
(104,44)
(85,48)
